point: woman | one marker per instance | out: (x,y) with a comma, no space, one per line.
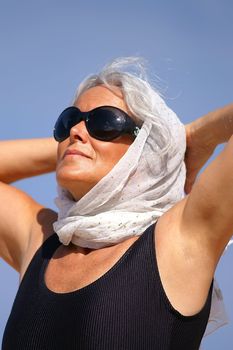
(118,281)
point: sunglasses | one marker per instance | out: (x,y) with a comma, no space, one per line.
(104,123)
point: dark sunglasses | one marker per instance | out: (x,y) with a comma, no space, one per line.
(103,123)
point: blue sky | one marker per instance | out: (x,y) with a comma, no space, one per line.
(48,47)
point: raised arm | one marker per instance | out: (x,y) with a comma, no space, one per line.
(18,211)
(209,205)
(192,235)
(25,158)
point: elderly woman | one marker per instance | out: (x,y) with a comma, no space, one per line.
(132,262)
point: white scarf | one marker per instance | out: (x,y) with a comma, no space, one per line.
(142,186)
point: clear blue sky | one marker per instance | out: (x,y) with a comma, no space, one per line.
(47,47)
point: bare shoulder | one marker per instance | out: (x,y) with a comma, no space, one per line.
(180,258)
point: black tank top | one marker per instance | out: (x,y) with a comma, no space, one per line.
(125,309)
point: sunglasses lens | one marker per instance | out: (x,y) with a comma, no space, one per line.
(106,124)
(65,122)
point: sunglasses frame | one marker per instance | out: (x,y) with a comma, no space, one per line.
(128,127)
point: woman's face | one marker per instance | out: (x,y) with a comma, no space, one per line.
(82,160)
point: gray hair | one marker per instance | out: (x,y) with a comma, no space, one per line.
(129,75)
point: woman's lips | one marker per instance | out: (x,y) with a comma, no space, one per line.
(73,152)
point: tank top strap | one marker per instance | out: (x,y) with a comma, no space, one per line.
(49,246)
(43,253)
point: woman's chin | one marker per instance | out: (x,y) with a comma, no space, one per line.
(72,173)
(76,184)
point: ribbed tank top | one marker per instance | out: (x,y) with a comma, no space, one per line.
(125,309)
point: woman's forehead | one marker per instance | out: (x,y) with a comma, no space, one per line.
(99,96)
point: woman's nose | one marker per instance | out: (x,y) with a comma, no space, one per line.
(79,132)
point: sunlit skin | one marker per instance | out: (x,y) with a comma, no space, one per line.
(78,173)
